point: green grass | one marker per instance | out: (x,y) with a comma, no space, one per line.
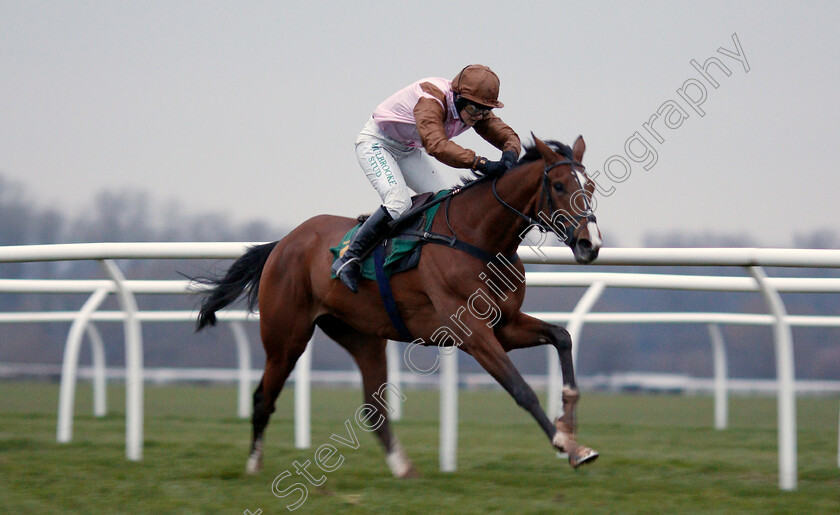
(658,454)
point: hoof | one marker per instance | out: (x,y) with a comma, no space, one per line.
(582,456)
(254,464)
(253,467)
(399,463)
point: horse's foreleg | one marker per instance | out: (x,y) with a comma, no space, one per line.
(559,337)
(492,357)
(525,331)
(567,423)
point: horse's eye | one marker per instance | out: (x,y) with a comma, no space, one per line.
(558,187)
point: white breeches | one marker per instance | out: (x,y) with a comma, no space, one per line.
(396,170)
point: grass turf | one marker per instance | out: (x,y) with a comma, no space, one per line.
(659,453)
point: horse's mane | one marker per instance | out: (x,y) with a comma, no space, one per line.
(531,154)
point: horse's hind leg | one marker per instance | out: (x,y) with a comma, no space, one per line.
(283,348)
(369,353)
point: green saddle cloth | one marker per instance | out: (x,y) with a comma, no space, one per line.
(398,247)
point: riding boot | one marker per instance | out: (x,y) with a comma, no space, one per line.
(348,267)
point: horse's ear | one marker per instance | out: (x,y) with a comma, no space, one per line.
(545,151)
(578,149)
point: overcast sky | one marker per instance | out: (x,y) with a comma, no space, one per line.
(251,108)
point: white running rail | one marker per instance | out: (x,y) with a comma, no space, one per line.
(750,259)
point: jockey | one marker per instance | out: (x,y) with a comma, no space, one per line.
(424,116)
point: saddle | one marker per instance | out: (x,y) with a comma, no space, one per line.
(402,247)
(400,251)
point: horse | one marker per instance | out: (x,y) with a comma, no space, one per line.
(290,282)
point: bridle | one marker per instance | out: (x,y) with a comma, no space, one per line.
(566,232)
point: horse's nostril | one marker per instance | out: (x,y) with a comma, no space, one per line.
(585,252)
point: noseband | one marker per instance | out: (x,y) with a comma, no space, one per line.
(567,231)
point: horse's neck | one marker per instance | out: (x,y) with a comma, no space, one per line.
(480,219)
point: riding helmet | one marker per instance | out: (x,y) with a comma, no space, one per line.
(478,83)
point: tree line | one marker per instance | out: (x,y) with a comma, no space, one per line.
(114,216)
(131,215)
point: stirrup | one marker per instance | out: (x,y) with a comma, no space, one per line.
(363,241)
(350,276)
(338,270)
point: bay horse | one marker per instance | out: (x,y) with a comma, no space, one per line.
(290,282)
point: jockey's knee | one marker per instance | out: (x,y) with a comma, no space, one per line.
(396,205)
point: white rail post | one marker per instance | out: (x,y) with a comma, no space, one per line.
(786,381)
(243,353)
(448,409)
(574,327)
(720,365)
(100,400)
(303,431)
(70,363)
(133,364)
(392,353)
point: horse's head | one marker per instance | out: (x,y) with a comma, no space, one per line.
(566,206)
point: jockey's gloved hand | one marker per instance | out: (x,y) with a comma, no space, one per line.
(509,158)
(491,168)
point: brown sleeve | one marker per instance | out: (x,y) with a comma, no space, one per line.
(429,116)
(498,134)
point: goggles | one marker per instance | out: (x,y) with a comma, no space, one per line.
(476,110)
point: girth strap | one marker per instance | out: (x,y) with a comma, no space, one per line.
(451,241)
(384,283)
(387,294)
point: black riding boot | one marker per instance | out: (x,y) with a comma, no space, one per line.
(348,267)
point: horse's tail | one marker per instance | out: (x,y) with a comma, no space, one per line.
(242,276)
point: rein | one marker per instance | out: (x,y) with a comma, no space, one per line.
(567,233)
(568,237)
(452,241)
(416,210)
(411,213)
